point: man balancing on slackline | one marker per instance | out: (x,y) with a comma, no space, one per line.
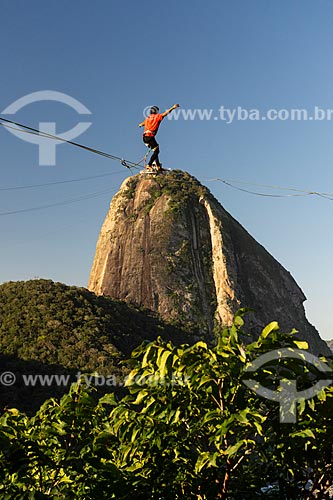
(151,124)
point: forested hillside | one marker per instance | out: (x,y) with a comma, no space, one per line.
(52,328)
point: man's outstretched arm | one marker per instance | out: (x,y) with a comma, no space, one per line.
(169,110)
(142,123)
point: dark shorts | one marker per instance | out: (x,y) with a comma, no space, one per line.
(150,141)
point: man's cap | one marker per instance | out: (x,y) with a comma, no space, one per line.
(154,109)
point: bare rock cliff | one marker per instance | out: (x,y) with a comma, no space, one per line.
(330,344)
(167,244)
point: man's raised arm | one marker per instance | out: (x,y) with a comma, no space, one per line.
(169,110)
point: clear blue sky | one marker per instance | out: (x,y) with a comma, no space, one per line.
(118,57)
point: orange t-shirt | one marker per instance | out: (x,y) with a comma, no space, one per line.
(152,122)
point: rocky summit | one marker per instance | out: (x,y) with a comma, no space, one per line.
(168,244)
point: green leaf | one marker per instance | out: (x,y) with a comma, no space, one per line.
(305,433)
(271,327)
(200,344)
(162,363)
(300,344)
(311,404)
(148,355)
(211,415)
(108,399)
(204,380)
(233,449)
(322,395)
(140,396)
(301,406)
(206,459)
(238,321)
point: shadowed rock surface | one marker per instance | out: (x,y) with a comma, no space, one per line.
(167,244)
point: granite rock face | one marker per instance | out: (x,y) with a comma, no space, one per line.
(330,345)
(167,244)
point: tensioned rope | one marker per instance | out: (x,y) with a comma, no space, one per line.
(67,181)
(300,192)
(125,163)
(59,203)
(129,164)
